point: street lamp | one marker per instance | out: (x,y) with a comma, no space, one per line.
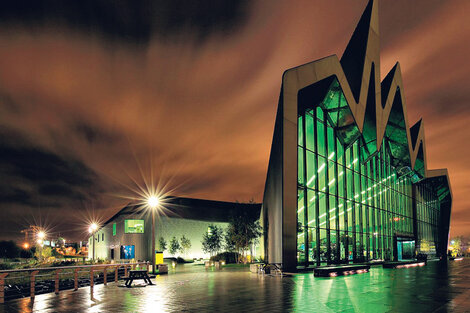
(153,203)
(41,235)
(92,229)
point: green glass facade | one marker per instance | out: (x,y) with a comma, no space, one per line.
(427,218)
(352,205)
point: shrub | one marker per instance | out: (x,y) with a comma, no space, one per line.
(6,266)
(228,257)
(181,260)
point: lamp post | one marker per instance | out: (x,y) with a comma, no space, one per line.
(153,203)
(92,229)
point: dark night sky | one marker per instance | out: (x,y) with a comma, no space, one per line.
(94,97)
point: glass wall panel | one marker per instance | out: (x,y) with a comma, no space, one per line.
(349,208)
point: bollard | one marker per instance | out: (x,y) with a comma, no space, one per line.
(33,283)
(75,277)
(2,287)
(105,278)
(57,281)
(116,274)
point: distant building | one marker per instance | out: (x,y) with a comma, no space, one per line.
(347,179)
(128,234)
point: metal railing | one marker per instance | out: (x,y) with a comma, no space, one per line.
(52,276)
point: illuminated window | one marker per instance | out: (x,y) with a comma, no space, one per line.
(134,226)
(114,229)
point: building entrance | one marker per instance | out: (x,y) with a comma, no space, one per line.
(405,248)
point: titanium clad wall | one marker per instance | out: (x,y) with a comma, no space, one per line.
(272,199)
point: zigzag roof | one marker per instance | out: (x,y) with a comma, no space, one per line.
(358,75)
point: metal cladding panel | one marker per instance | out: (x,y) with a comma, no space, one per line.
(441,179)
(272,199)
(289,204)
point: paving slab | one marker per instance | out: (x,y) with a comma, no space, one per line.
(433,288)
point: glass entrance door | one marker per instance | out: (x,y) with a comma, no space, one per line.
(405,249)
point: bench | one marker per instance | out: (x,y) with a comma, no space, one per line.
(137,274)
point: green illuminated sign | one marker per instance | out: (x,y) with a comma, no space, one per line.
(114,229)
(134,226)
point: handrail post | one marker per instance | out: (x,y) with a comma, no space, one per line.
(75,277)
(57,281)
(116,274)
(33,284)
(125,270)
(2,287)
(105,278)
(91,278)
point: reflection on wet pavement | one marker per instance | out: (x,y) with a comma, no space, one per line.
(433,288)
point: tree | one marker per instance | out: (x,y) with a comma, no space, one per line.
(43,253)
(162,244)
(9,249)
(243,231)
(185,244)
(174,246)
(26,254)
(212,240)
(60,242)
(229,244)
(455,246)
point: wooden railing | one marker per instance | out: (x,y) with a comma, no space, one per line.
(55,274)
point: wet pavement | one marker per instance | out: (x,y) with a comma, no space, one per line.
(435,287)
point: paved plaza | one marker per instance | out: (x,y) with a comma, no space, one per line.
(191,288)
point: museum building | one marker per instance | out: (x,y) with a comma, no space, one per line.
(347,179)
(128,234)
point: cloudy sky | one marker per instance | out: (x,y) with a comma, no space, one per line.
(94,98)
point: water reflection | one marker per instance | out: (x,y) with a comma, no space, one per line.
(435,287)
(421,289)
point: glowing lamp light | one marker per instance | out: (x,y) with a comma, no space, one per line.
(153,202)
(26,245)
(93,227)
(41,235)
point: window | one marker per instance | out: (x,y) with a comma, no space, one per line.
(114,229)
(102,237)
(134,226)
